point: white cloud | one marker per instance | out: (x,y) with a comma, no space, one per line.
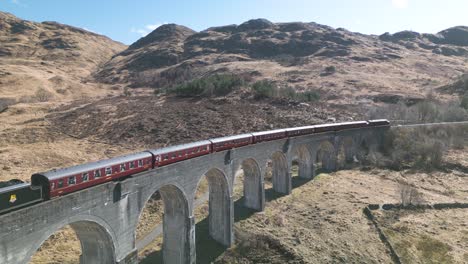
(400,3)
(17,2)
(146,29)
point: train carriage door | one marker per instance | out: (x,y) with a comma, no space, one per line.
(157,159)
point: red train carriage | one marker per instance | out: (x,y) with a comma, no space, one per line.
(268,135)
(324,128)
(173,154)
(62,181)
(223,143)
(300,131)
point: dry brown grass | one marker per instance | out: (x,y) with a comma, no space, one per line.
(63,247)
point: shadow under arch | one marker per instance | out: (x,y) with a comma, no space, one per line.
(280,173)
(213,232)
(304,162)
(325,157)
(177,227)
(96,239)
(346,152)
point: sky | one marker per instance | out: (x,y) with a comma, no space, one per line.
(128,20)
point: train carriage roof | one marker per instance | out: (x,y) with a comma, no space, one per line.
(299,128)
(179,147)
(63,172)
(343,123)
(268,132)
(235,137)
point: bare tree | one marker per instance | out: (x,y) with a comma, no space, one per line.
(409,195)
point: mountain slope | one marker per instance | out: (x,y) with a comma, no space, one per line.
(48,55)
(296,54)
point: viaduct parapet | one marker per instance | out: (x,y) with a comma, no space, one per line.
(105,217)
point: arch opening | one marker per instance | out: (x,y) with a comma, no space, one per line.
(280,174)
(78,242)
(248,186)
(362,153)
(325,158)
(346,153)
(175,224)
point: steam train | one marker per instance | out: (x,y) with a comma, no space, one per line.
(59,182)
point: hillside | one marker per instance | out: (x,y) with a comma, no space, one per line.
(87,115)
(342,66)
(55,57)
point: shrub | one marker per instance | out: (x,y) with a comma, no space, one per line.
(5,103)
(215,85)
(329,70)
(42,95)
(308,96)
(267,89)
(264,89)
(126,92)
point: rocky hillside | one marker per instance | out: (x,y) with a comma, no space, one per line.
(340,64)
(49,56)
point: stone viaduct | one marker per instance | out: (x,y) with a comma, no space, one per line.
(105,217)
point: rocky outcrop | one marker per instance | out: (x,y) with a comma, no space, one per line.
(51,40)
(455,36)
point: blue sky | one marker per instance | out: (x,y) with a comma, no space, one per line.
(126,20)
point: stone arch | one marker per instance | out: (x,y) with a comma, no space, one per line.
(326,156)
(95,235)
(254,192)
(178,226)
(304,160)
(280,173)
(220,203)
(346,151)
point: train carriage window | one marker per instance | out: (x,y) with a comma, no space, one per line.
(108,171)
(71,180)
(181,154)
(174,155)
(97,173)
(85,177)
(166,157)
(132,165)
(60,183)
(122,167)
(52,185)
(140,163)
(115,169)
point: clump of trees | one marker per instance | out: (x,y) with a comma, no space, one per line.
(419,148)
(428,110)
(214,85)
(266,89)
